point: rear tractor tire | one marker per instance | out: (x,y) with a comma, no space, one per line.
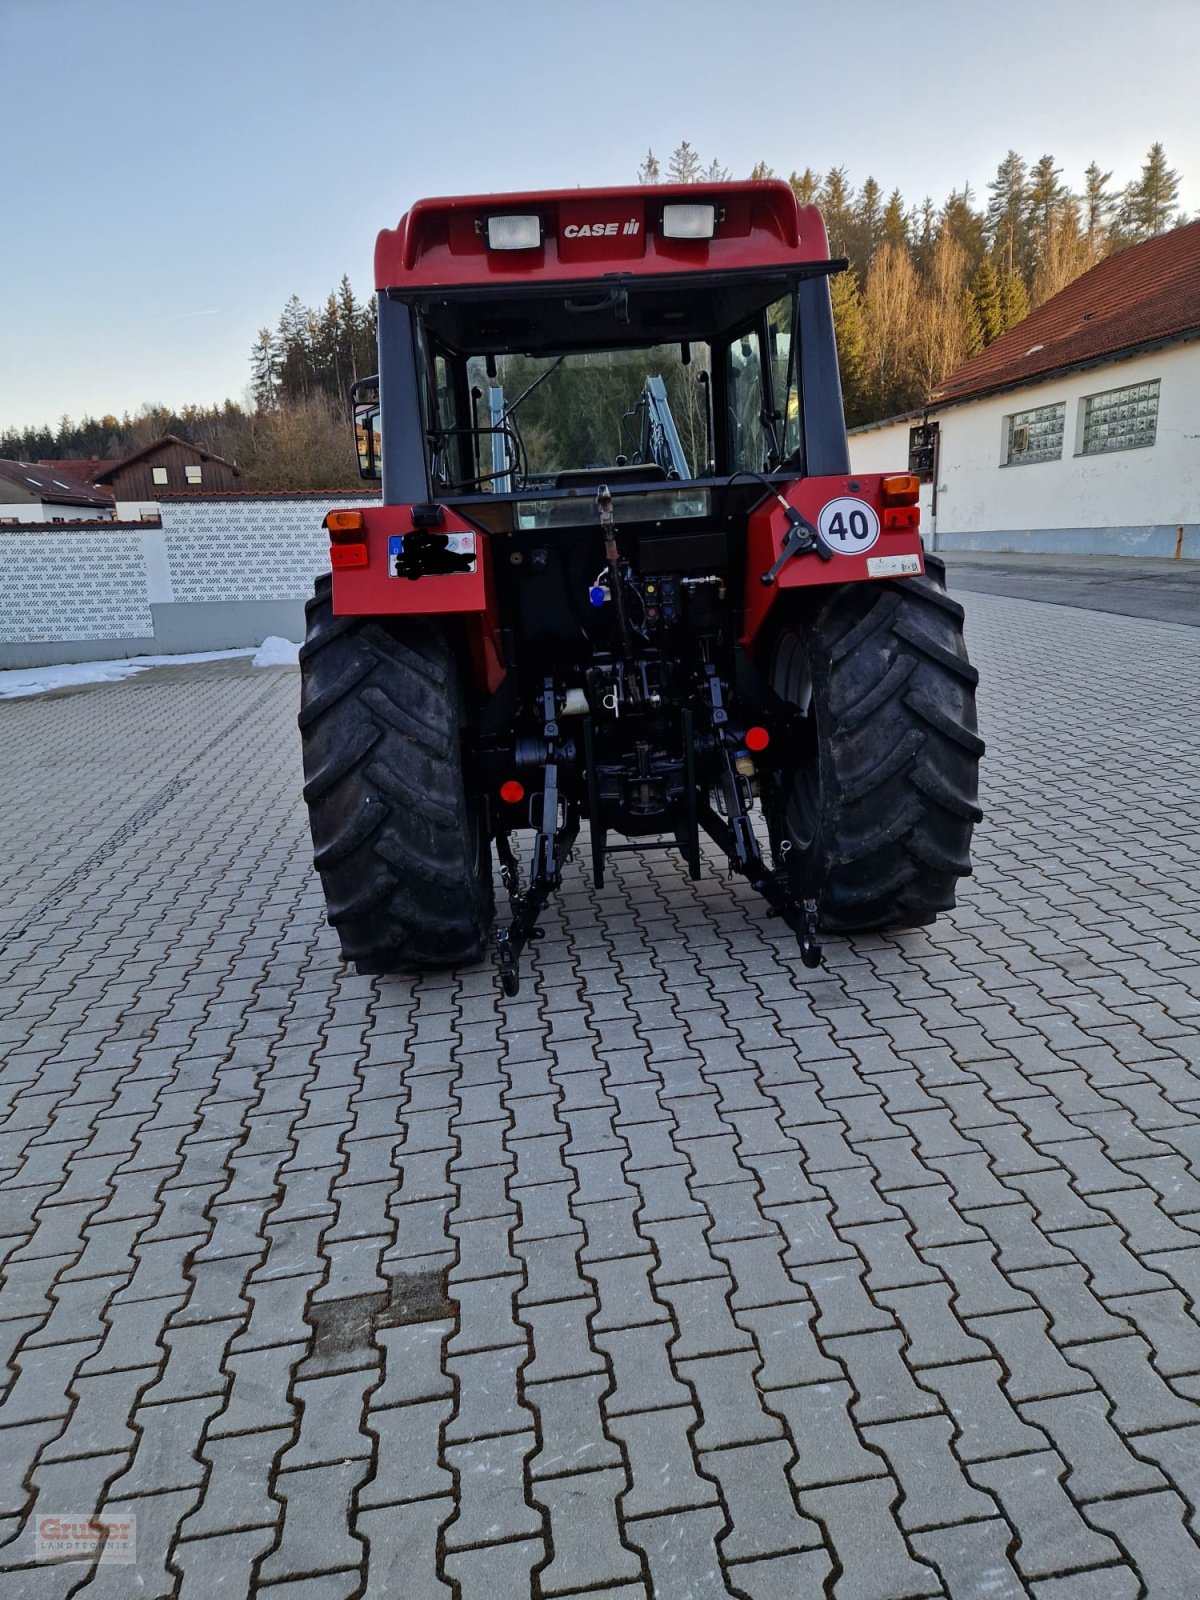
(874,811)
(403,853)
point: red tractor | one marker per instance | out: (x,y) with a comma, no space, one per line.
(622,572)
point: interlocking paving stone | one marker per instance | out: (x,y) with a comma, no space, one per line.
(875,1562)
(972,1558)
(689,1272)
(1151,1531)
(588,1550)
(1101,1463)
(1054,1537)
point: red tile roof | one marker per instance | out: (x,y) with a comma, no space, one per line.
(1142,295)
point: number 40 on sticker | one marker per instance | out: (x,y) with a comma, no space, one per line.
(848,526)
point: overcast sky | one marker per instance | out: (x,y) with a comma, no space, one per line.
(175,169)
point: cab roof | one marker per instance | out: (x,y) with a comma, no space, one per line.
(591,233)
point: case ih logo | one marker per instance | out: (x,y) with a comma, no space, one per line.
(599,230)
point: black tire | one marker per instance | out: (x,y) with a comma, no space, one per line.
(404,858)
(875,808)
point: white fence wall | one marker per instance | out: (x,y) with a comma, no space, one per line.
(220,572)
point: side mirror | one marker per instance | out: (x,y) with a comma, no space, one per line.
(368,440)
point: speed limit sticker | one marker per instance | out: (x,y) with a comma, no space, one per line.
(849,527)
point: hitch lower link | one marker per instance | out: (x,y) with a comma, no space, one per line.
(552,844)
(735,834)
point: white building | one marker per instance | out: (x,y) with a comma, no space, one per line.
(1076,431)
(30,493)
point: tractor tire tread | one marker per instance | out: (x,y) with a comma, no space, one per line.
(899,754)
(404,860)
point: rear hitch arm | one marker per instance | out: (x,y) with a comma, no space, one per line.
(551,847)
(735,835)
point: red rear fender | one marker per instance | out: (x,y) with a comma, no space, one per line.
(871,539)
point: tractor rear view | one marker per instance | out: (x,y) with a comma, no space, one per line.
(621,572)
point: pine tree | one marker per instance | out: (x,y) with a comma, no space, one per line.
(985,291)
(964,224)
(972,326)
(926,232)
(804,186)
(295,351)
(1064,256)
(869,217)
(264,370)
(851,342)
(895,222)
(684,165)
(1006,213)
(1097,209)
(834,201)
(1150,205)
(1045,197)
(649,171)
(1014,300)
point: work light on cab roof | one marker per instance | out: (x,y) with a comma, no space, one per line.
(621,573)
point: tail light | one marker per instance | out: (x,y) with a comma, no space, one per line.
(347,547)
(347,555)
(898,518)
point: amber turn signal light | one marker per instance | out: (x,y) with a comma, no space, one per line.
(901,489)
(344,526)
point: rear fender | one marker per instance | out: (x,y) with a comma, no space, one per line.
(372,590)
(867,548)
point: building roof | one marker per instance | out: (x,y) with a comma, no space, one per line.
(1142,296)
(51,486)
(84,471)
(149,450)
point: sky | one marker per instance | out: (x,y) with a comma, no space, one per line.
(175,169)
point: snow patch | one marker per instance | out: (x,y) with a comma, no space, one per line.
(17,681)
(276,652)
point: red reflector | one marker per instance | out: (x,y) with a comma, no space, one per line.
(757,739)
(347,555)
(511,791)
(897,517)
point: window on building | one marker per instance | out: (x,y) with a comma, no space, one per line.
(1120,419)
(1035,435)
(159,474)
(195,475)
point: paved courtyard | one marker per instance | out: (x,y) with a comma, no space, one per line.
(688,1273)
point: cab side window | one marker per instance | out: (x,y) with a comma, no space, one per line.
(745,400)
